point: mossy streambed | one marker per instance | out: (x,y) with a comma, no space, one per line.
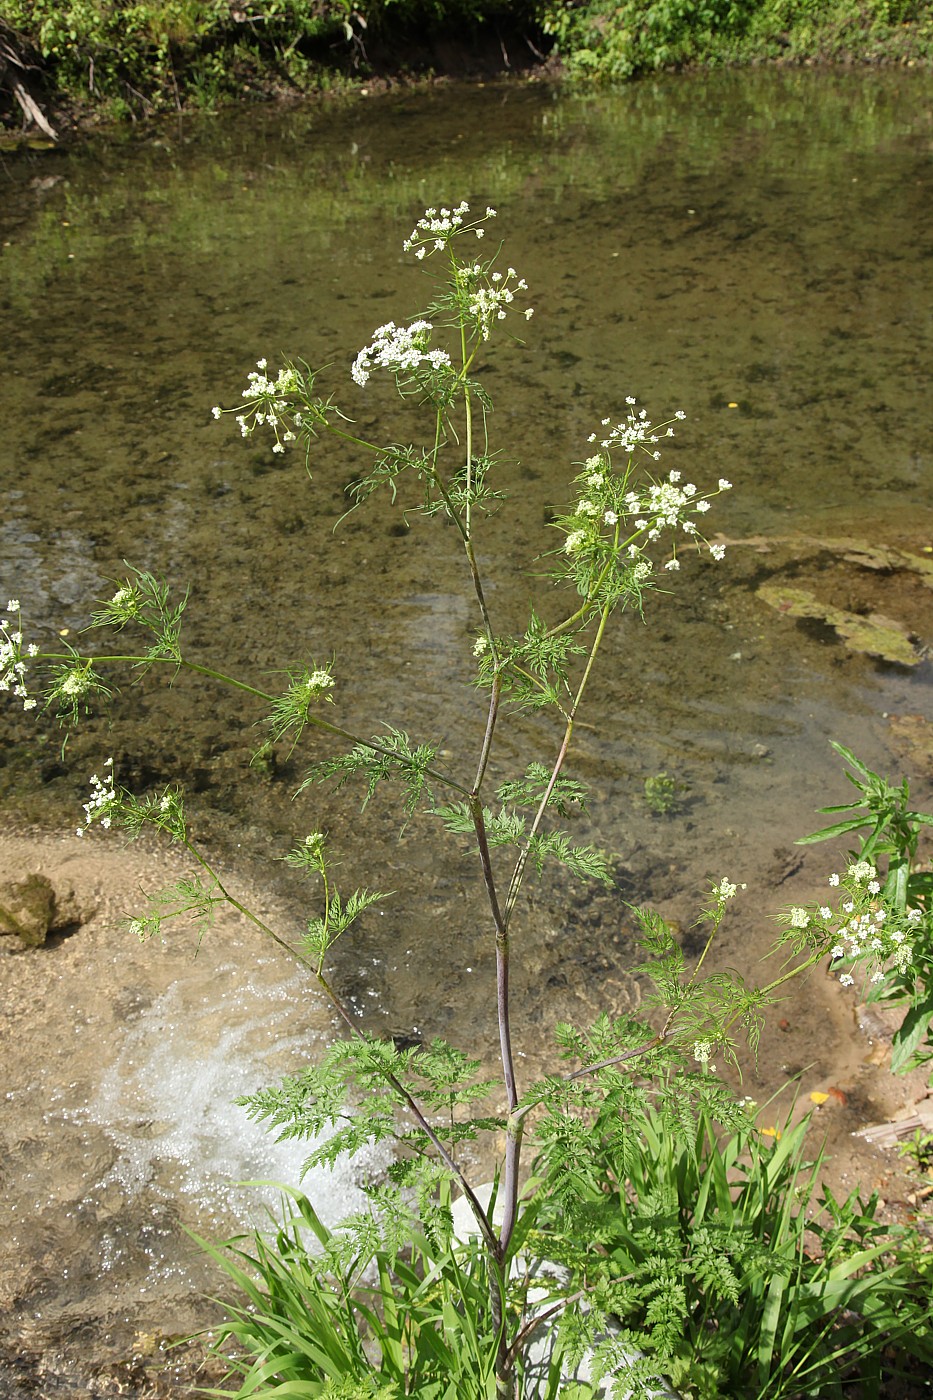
(748,248)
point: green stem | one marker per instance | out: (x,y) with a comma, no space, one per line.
(357,442)
(519,870)
(487,737)
(468,417)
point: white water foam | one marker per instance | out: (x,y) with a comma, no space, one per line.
(167,1101)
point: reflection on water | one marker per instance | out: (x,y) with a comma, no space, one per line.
(754,249)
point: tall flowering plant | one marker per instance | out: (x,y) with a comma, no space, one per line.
(624,531)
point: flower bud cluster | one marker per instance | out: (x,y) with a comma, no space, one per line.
(400,349)
(12,666)
(438,227)
(317,683)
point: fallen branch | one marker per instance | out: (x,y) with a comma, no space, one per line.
(31,109)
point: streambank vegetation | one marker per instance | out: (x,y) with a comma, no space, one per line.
(70,62)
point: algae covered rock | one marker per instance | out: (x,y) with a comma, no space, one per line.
(871,633)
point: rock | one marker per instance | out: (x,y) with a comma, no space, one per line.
(872,633)
(31,909)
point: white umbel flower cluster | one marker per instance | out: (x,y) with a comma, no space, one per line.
(102,800)
(435,229)
(488,303)
(268,401)
(12,665)
(400,349)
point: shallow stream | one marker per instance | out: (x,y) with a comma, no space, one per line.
(752,248)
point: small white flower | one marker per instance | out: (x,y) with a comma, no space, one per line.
(400,349)
(13,605)
(799,918)
(834,880)
(724,485)
(846,979)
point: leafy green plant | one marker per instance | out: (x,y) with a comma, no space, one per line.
(662,794)
(719,1259)
(377,1307)
(918,1151)
(890,831)
(614,40)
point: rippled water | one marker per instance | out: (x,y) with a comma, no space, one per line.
(754,249)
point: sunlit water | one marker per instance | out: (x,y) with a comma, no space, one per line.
(754,249)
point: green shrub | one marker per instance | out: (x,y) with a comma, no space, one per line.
(618,39)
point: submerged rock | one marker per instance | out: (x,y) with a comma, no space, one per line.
(871,633)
